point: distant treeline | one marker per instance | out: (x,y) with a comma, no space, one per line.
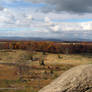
(51,47)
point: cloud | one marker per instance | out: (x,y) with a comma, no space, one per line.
(29,17)
(47,19)
(28,21)
(55,28)
(10,18)
(1,8)
(77,6)
(5,10)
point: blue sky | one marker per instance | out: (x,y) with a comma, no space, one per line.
(38,18)
(21,4)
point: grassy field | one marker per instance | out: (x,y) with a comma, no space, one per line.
(38,76)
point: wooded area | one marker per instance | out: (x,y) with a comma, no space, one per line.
(51,47)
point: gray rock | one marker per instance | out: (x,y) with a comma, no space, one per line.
(77,79)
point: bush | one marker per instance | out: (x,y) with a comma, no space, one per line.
(60,57)
(42,62)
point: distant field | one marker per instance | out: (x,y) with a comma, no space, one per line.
(38,76)
(13,55)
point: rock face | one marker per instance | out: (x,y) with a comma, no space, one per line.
(78,79)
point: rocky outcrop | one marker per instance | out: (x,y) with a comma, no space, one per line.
(77,79)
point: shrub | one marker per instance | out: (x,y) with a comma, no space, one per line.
(42,62)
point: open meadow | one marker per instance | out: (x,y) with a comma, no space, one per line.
(21,71)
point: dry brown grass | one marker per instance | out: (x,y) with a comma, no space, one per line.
(74,59)
(38,76)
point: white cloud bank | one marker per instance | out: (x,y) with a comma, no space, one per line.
(32,23)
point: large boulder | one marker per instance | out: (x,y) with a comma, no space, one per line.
(77,79)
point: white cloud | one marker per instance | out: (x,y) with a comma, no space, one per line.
(55,28)
(5,10)
(29,17)
(87,26)
(32,23)
(47,19)
(18,22)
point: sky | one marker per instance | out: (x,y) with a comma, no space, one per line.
(46,18)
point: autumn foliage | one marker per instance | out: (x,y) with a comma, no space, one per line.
(51,47)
